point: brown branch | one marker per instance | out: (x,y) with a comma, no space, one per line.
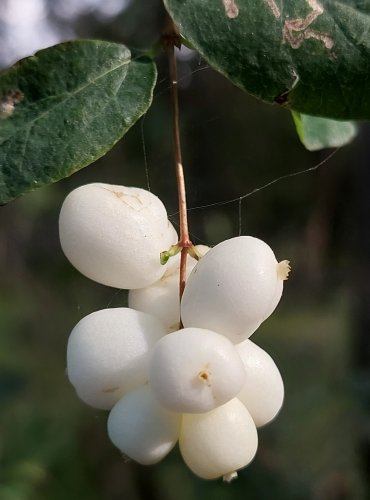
(171,39)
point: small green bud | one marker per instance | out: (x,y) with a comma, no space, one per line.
(167,254)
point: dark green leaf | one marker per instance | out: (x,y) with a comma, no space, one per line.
(318,133)
(65,107)
(310,55)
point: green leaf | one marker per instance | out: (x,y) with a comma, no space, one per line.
(65,107)
(312,56)
(319,133)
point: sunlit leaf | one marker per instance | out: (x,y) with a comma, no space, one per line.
(318,133)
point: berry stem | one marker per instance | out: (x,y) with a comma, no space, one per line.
(171,39)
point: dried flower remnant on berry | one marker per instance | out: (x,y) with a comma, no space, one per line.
(283,270)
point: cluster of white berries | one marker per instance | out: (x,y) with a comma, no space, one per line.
(206,385)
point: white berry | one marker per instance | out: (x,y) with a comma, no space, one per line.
(108,354)
(114,234)
(263,390)
(233,288)
(195,370)
(162,298)
(218,443)
(141,428)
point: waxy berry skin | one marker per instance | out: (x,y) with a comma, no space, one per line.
(195,370)
(233,288)
(218,443)
(263,390)
(141,428)
(114,234)
(206,386)
(108,354)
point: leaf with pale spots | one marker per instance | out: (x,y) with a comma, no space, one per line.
(312,56)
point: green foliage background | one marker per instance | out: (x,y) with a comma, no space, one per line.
(53,447)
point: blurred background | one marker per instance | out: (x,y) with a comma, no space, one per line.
(52,447)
